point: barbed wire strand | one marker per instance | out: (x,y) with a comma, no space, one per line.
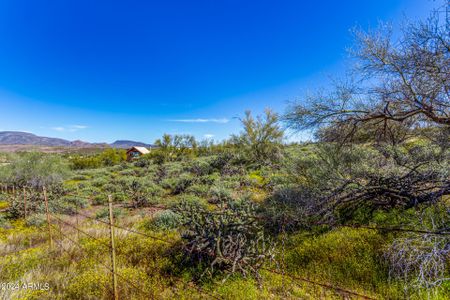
(109,268)
(328,286)
(325,285)
(85,256)
(181,281)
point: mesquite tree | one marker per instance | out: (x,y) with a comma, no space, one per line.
(402,82)
(398,92)
(396,103)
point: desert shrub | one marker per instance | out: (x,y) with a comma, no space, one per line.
(79,177)
(70,204)
(104,213)
(221,160)
(154,191)
(99,199)
(141,192)
(165,220)
(201,167)
(110,157)
(143,162)
(219,193)
(57,203)
(292,207)
(178,184)
(138,194)
(3,200)
(174,168)
(229,239)
(88,191)
(120,167)
(85,162)
(128,172)
(119,196)
(139,172)
(208,179)
(37,220)
(124,181)
(110,188)
(36,170)
(99,182)
(200,190)
(35,204)
(4,223)
(232,182)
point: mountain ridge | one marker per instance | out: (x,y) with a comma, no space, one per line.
(27,138)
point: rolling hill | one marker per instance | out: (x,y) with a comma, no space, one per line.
(26,138)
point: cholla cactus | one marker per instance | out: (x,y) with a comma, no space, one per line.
(230,239)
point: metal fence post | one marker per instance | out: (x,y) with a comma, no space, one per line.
(48,217)
(113,249)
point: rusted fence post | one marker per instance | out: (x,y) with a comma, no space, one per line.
(60,237)
(48,218)
(113,249)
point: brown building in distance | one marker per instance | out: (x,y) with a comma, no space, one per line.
(135,152)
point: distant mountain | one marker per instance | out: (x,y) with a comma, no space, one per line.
(26,138)
(128,144)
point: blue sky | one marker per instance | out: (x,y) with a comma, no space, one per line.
(107,70)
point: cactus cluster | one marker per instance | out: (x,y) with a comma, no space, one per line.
(230,238)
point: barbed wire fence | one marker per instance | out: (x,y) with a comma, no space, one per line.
(117,278)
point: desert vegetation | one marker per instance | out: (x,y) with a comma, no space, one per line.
(363,211)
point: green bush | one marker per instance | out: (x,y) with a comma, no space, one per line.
(37,220)
(104,213)
(35,170)
(70,204)
(85,162)
(99,199)
(110,188)
(201,167)
(219,193)
(108,157)
(165,220)
(99,182)
(178,184)
(4,223)
(200,190)
(79,177)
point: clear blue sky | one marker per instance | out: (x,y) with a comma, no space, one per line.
(107,70)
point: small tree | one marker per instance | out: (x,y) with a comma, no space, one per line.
(173,147)
(36,170)
(396,84)
(261,138)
